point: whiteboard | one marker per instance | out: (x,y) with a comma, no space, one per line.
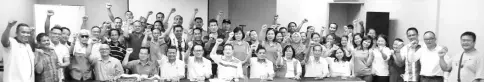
(65,16)
(185,8)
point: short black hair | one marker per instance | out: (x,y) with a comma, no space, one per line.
(412,28)
(109,33)
(171,47)
(239,29)
(65,28)
(320,48)
(177,26)
(56,27)
(260,48)
(161,14)
(147,48)
(287,48)
(469,33)
(290,31)
(118,18)
(368,31)
(399,39)
(198,28)
(198,18)
(21,25)
(334,24)
(193,48)
(128,11)
(312,35)
(40,35)
(95,27)
(309,27)
(282,28)
(213,20)
(226,21)
(350,26)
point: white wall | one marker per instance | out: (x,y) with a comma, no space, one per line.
(185,8)
(66,16)
(456,17)
(20,10)
(316,11)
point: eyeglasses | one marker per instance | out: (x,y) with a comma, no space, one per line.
(84,36)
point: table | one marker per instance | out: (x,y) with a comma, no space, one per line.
(329,79)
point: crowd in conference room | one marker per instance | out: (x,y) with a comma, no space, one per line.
(163,51)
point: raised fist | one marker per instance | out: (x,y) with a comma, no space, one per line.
(173,10)
(196,10)
(264,26)
(305,21)
(219,41)
(129,50)
(150,12)
(50,12)
(85,18)
(12,23)
(276,17)
(108,5)
(231,34)
(443,51)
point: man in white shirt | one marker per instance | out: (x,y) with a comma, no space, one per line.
(316,65)
(172,69)
(61,50)
(412,66)
(260,66)
(430,70)
(19,59)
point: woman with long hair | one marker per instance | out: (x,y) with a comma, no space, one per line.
(363,58)
(288,66)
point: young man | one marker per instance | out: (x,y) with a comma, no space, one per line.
(260,66)
(430,70)
(66,32)
(171,69)
(61,50)
(117,48)
(333,27)
(19,59)
(179,41)
(106,68)
(467,66)
(142,66)
(396,62)
(412,65)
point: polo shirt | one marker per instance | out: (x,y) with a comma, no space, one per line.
(261,69)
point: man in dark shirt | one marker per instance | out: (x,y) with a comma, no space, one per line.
(134,39)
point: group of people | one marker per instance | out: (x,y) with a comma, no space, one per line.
(171,52)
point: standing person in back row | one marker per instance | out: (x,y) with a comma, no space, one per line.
(61,50)
(19,60)
(467,66)
(412,65)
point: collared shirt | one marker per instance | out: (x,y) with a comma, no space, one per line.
(46,67)
(181,47)
(292,67)
(472,67)
(107,69)
(19,62)
(261,69)
(272,50)
(62,51)
(118,50)
(198,69)
(171,70)
(380,64)
(149,68)
(340,68)
(317,68)
(411,67)
(430,61)
(224,70)
(80,68)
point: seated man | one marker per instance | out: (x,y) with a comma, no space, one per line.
(171,68)
(106,68)
(199,67)
(142,66)
(260,66)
